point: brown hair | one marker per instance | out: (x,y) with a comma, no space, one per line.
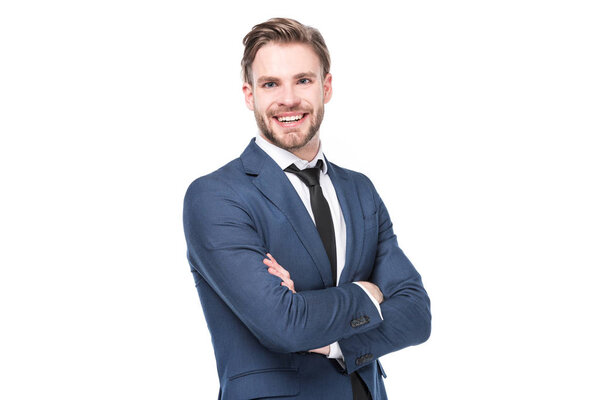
(282,30)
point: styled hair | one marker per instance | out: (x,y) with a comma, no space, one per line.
(282,30)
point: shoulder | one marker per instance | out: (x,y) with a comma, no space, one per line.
(235,176)
(219,183)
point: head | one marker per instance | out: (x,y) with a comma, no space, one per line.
(287,82)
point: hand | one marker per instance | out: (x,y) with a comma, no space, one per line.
(373,289)
(321,350)
(279,271)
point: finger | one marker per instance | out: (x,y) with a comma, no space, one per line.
(285,285)
(278,274)
(272,264)
(275,272)
(285,272)
(268,262)
(275,264)
(285,280)
(289,286)
(273,261)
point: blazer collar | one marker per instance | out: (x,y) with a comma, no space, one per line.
(273,184)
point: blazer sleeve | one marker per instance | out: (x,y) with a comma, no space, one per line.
(227,251)
(406,306)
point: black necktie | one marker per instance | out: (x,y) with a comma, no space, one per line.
(320,209)
(324,223)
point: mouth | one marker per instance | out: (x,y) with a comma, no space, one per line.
(290,120)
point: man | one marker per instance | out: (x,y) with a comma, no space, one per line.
(300,276)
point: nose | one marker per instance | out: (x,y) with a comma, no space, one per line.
(289,98)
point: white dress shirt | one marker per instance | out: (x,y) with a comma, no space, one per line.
(284,159)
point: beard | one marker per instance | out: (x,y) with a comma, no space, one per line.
(300,140)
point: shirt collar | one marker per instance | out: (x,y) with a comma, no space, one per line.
(284,158)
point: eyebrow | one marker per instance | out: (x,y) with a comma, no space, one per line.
(264,79)
(305,75)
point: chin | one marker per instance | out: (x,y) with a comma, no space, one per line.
(293,140)
(288,139)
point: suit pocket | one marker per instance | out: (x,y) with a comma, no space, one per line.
(275,382)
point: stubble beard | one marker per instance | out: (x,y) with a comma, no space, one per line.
(268,133)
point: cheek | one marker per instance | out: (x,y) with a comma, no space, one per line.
(260,106)
(317,98)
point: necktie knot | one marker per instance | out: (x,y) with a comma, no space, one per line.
(309,176)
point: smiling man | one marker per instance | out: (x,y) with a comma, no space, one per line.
(300,276)
(287,94)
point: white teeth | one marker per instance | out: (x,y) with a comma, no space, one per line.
(290,119)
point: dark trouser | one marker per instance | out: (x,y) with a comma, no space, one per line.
(359,389)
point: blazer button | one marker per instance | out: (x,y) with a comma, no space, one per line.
(364,358)
(359,321)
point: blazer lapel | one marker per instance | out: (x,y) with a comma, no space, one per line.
(274,185)
(353,217)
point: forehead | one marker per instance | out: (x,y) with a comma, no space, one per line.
(285,60)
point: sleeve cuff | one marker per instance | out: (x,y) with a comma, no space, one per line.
(372,299)
(335,351)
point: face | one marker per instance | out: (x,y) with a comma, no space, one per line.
(288,95)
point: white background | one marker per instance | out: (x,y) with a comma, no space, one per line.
(476,120)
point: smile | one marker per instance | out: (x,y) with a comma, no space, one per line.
(290,120)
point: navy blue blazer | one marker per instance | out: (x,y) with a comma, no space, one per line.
(260,330)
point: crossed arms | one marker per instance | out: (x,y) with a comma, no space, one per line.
(225,247)
(286,280)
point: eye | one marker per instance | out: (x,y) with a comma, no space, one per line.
(304,81)
(269,85)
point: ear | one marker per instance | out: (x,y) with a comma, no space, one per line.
(327,89)
(248,96)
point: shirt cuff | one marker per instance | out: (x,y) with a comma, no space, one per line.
(375,302)
(335,351)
